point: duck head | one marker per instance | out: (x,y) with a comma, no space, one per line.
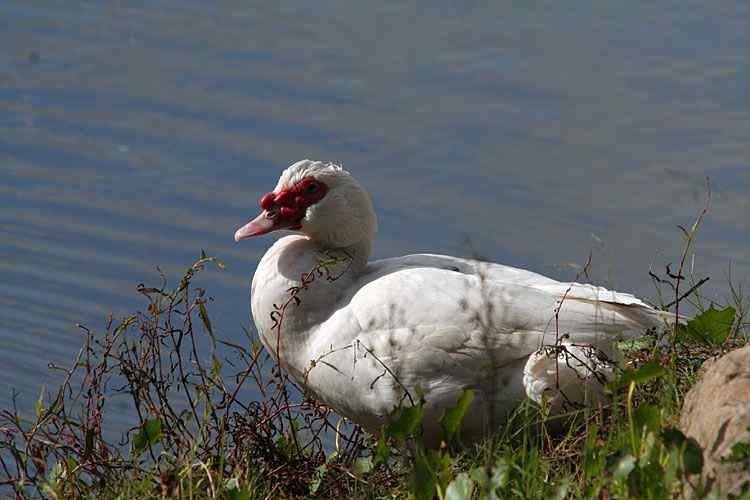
(320,200)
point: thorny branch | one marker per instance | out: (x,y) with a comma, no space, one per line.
(323,270)
(206,406)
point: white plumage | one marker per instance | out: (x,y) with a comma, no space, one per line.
(364,336)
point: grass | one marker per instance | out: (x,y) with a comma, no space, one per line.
(201,435)
(199,438)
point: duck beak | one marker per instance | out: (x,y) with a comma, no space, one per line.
(262,224)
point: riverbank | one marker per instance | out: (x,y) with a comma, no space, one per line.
(200,436)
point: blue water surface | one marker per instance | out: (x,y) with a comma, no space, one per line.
(135,134)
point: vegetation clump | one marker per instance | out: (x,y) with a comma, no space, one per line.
(217,419)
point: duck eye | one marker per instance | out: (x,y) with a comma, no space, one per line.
(312,188)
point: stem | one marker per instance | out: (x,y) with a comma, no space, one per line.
(633,438)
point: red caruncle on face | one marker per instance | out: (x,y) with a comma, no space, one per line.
(292,203)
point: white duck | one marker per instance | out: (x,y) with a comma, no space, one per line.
(366,337)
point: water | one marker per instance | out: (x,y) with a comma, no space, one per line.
(136,134)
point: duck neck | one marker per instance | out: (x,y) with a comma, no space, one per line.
(297,287)
(359,253)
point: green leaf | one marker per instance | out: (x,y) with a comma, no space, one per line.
(39,405)
(739,452)
(363,465)
(406,423)
(423,481)
(234,491)
(672,436)
(460,488)
(441,464)
(624,467)
(592,463)
(563,490)
(232,483)
(71,464)
(320,474)
(646,416)
(149,435)
(53,479)
(711,328)
(637,344)
(690,450)
(489,486)
(203,313)
(500,474)
(238,494)
(332,457)
(647,481)
(693,457)
(499,480)
(452,418)
(649,371)
(215,366)
(672,467)
(382,451)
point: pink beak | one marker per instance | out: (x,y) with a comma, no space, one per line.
(262,224)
